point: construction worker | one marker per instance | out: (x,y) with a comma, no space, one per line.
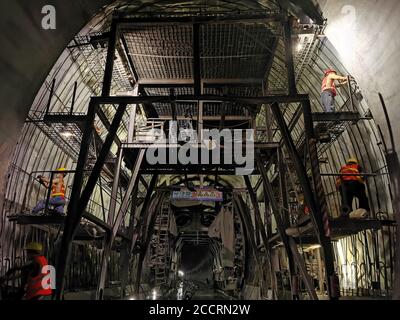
(328,89)
(31,275)
(57,195)
(351,184)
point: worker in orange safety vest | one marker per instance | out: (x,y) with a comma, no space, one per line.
(351,185)
(34,285)
(328,89)
(57,194)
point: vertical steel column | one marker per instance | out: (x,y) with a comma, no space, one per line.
(96,171)
(261,229)
(80,200)
(115,225)
(50,96)
(316,216)
(71,111)
(316,174)
(126,253)
(143,211)
(132,117)
(157,200)
(66,241)
(112,41)
(196,59)
(200,122)
(246,221)
(291,250)
(323,215)
(285,204)
(114,190)
(291,75)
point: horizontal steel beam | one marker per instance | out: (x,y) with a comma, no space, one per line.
(197,98)
(64,118)
(210,118)
(337,116)
(207,83)
(350,174)
(191,19)
(149,145)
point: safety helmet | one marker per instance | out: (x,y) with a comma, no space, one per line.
(328,71)
(352,160)
(34,246)
(62,170)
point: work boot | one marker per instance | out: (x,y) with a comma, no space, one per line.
(358,214)
(298,230)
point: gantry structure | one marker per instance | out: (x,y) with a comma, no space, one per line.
(178,68)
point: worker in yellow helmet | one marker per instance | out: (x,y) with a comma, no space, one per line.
(34,285)
(57,195)
(351,185)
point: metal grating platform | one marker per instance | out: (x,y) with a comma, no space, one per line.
(340,228)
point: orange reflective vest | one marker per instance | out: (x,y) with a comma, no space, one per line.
(34,286)
(54,192)
(325,87)
(347,170)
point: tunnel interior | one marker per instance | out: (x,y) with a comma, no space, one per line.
(133,228)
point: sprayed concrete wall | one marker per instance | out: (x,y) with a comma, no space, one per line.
(28,54)
(365,36)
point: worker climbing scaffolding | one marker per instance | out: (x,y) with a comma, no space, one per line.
(328,89)
(351,184)
(57,195)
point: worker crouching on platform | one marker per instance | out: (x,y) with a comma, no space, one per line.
(35,283)
(328,89)
(57,195)
(351,184)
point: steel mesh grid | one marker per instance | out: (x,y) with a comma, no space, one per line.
(237,91)
(234,50)
(209,109)
(226,50)
(161,52)
(92,60)
(166,91)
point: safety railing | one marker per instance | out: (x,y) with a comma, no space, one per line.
(34,193)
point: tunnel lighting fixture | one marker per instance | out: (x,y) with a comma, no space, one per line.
(154,294)
(313,247)
(66,133)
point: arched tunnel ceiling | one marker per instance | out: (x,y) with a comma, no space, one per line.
(316,53)
(43,55)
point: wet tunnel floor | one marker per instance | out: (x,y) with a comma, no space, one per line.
(210,294)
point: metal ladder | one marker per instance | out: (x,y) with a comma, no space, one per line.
(161,241)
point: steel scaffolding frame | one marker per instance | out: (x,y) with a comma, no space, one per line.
(314,195)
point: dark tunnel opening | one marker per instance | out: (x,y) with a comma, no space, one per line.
(197,263)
